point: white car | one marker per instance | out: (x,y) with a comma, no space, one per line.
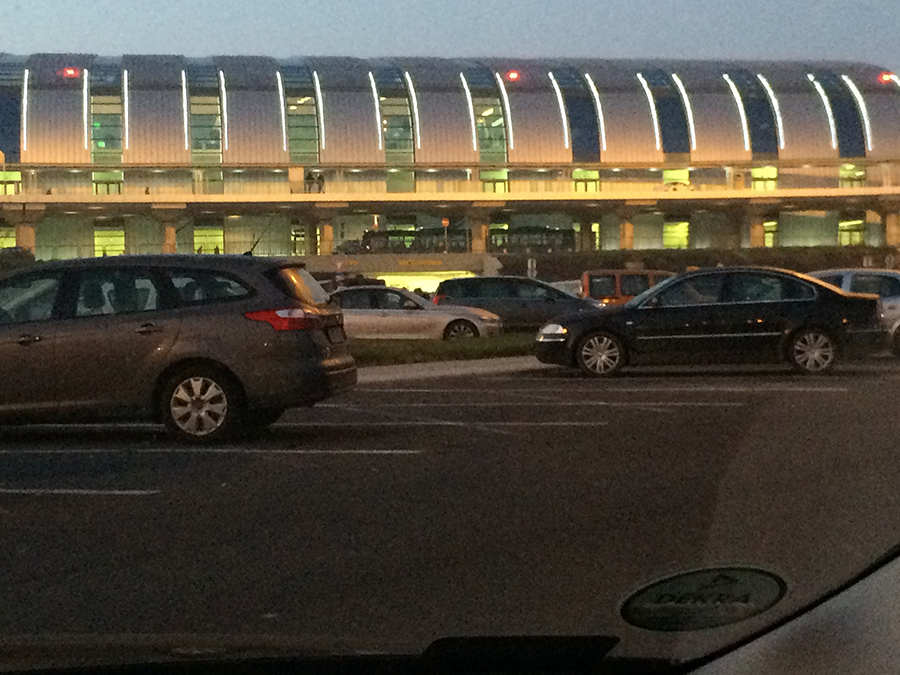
(382,312)
(883,283)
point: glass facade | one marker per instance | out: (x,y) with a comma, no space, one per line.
(760,116)
(11,78)
(671,114)
(106,126)
(847,118)
(301,115)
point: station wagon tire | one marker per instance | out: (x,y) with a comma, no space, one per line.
(812,350)
(201,405)
(600,354)
(460,330)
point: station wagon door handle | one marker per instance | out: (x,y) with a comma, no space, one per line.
(148,328)
(26,340)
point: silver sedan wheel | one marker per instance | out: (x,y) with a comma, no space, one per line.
(813,351)
(198,406)
(460,330)
(600,355)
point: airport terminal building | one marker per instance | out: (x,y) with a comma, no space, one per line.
(430,166)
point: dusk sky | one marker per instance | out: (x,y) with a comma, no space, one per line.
(858,30)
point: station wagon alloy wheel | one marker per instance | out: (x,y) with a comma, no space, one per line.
(199,406)
(600,354)
(813,351)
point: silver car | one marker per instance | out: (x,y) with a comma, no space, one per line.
(373,312)
(883,283)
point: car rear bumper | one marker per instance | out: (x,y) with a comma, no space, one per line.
(864,341)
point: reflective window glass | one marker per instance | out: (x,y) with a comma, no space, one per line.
(196,286)
(115,291)
(602,285)
(875,283)
(634,284)
(28,299)
(355,299)
(697,290)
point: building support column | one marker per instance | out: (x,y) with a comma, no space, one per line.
(585,241)
(326,237)
(168,219)
(892,229)
(754,224)
(479,225)
(626,233)
(24,218)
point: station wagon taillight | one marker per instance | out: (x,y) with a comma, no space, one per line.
(292,318)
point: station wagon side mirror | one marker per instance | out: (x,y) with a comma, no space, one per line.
(651,303)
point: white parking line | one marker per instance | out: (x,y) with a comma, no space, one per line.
(78,492)
(607,389)
(201,451)
(549,403)
(432,423)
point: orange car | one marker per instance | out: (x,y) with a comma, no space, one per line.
(616,287)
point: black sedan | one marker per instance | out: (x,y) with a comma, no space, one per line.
(747,314)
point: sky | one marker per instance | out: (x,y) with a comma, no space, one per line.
(853,30)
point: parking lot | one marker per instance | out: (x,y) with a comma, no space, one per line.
(407,510)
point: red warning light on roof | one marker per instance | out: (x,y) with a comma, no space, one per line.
(886,77)
(513,76)
(69,73)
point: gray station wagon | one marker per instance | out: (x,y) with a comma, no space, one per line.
(208,345)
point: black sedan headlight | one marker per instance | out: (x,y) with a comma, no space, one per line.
(552,332)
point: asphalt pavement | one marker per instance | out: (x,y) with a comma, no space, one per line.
(501,498)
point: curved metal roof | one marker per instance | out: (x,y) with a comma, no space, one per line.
(617,111)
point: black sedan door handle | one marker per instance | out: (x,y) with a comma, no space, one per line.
(26,340)
(148,328)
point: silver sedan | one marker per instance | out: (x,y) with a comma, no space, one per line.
(374,312)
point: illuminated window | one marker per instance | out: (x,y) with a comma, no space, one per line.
(675,235)
(205,113)
(302,115)
(206,130)
(851,232)
(585,180)
(106,116)
(397,129)
(108,182)
(764,177)
(7,237)
(302,130)
(209,240)
(10,182)
(852,176)
(770,230)
(109,242)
